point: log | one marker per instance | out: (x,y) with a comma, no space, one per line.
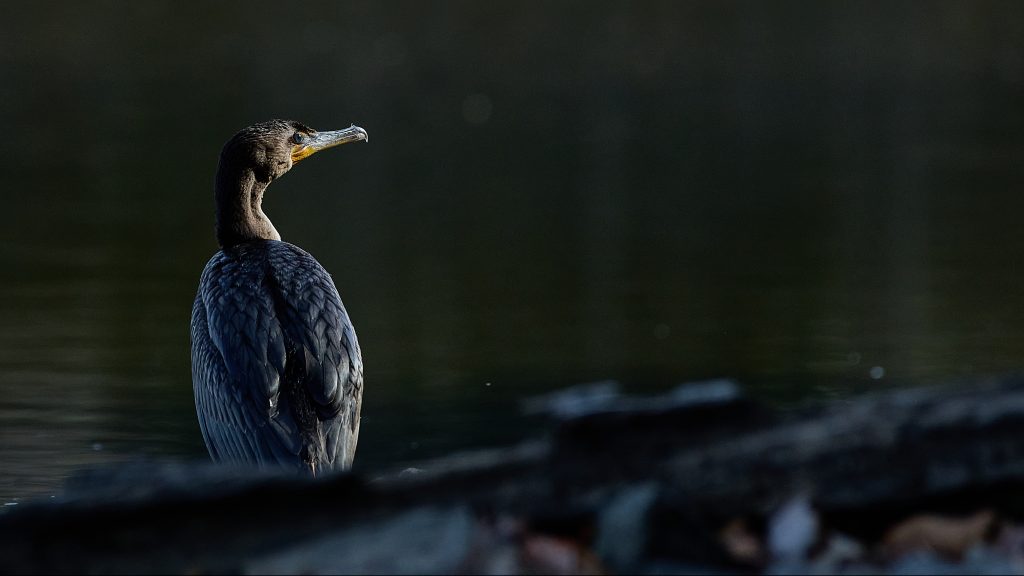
(621,484)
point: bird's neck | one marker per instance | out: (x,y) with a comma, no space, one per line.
(239,199)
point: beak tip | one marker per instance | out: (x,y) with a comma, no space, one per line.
(365,136)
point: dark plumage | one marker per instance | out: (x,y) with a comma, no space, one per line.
(276,367)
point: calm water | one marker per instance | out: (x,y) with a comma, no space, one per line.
(817,200)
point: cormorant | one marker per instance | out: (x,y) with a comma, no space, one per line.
(276,367)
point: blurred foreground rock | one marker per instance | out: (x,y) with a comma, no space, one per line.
(700,479)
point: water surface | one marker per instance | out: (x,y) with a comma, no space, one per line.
(818,201)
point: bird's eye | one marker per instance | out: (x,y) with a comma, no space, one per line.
(298,138)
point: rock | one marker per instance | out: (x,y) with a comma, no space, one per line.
(945,536)
(622,526)
(792,530)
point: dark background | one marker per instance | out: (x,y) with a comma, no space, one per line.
(816,198)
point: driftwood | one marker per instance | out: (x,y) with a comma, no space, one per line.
(630,484)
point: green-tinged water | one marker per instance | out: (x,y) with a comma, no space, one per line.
(817,200)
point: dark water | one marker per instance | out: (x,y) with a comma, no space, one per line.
(816,198)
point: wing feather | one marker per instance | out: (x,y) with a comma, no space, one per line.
(261,308)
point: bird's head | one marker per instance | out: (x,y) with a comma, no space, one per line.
(270,148)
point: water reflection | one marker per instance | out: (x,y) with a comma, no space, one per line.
(802,199)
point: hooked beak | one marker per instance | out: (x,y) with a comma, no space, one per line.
(323,140)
